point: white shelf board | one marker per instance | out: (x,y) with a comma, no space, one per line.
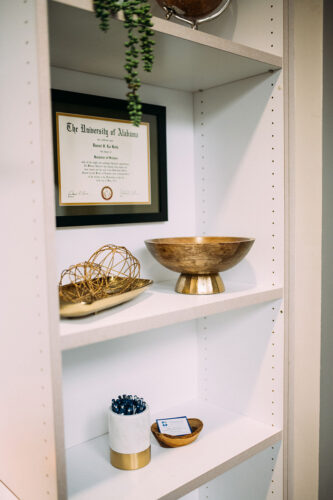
(226,440)
(184,58)
(159,306)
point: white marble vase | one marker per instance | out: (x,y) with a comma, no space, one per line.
(129,439)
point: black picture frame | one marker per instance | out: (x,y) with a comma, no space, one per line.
(98,106)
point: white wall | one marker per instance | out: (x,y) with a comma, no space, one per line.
(326,387)
(305,246)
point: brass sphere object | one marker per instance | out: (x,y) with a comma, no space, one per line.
(192,9)
(193,12)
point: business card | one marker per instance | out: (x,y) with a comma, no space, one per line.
(175,426)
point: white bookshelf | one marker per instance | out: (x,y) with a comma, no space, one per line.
(225,139)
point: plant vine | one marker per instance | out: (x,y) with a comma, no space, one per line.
(138,24)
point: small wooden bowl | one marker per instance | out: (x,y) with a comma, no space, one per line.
(167,441)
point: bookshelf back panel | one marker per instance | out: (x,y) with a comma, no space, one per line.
(239,159)
(77,244)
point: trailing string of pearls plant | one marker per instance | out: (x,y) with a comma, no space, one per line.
(138,23)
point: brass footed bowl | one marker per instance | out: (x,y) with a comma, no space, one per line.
(199,259)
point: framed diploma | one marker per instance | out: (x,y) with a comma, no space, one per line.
(106,170)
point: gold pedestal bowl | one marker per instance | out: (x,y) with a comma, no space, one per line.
(199,259)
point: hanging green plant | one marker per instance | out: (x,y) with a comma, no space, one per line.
(138,24)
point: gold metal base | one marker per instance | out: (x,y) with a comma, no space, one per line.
(200,284)
(130,461)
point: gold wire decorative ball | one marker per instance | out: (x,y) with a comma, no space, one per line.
(121,267)
(84,282)
(109,270)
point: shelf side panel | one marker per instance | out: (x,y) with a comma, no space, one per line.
(254,479)
(241,368)
(29,312)
(241,362)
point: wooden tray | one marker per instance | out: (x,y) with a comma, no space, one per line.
(80,309)
(167,441)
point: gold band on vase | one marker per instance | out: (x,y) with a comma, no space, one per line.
(130,461)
